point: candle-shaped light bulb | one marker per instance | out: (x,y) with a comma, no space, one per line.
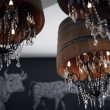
(89,5)
(68,64)
(108,53)
(12,31)
(105,65)
(10,2)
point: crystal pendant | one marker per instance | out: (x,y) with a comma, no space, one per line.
(85,102)
(65,73)
(13,57)
(7,63)
(18,64)
(1,64)
(95,42)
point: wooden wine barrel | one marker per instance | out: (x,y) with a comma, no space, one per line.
(34,7)
(75,39)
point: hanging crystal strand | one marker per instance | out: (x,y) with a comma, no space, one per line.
(91,102)
(94,100)
(78,96)
(34,33)
(8,45)
(7,60)
(13,56)
(66,73)
(29,18)
(101,58)
(5,23)
(103,99)
(95,41)
(100,102)
(28,38)
(100,27)
(17,19)
(31,41)
(12,27)
(18,64)
(69,13)
(5,57)
(1,64)
(69,77)
(86,103)
(32,21)
(74,14)
(70,84)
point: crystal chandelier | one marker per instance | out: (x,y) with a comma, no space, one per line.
(15,28)
(95,19)
(83,54)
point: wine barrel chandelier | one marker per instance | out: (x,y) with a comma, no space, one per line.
(20,21)
(83,52)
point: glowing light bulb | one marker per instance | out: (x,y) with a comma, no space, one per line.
(89,5)
(12,31)
(10,2)
(68,64)
(84,53)
(105,65)
(108,53)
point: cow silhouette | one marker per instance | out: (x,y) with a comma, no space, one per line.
(53,90)
(9,84)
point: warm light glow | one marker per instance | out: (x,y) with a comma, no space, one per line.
(11,2)
(89,5)
(105,65)
(12,31)
(68,64)
(84,53)
(108,53)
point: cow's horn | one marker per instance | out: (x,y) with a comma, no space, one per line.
(22,74)
(24,77)
(5,73)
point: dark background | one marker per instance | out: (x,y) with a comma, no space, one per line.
(41,70)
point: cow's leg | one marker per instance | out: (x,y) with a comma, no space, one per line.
(57,100)
(2,107)
(63,105)
(37,101)
(43,103)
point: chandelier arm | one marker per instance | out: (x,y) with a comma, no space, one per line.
(77,77)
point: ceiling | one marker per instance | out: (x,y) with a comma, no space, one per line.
(45,44)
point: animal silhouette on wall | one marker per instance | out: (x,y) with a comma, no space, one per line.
(53,90)
(9,84)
